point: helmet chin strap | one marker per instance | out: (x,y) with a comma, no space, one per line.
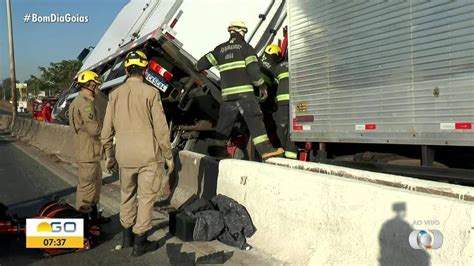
(92,91)
(240,31)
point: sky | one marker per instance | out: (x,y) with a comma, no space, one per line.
(38,44)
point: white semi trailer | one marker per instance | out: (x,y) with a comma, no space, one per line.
(384,76)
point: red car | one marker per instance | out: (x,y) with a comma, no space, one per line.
(42,109)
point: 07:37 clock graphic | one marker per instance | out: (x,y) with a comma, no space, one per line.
(54,233)
(54,242)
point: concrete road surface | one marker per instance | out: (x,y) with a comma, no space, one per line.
(29,178)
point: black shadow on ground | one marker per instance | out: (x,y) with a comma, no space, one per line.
(110,179)
(393,241)
(176,257)
(160,225)
(108,231)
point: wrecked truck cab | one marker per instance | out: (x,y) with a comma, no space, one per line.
(190,99)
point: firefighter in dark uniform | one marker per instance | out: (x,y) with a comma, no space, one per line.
(268,106)
(272,60)
(240,72)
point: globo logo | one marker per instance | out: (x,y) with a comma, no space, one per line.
(425,239)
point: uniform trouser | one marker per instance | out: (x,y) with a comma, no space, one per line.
(282,118)
(253,117)
(89,185)
(138,192)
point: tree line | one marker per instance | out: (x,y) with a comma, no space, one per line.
(53,79)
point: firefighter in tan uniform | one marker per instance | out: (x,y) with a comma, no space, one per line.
(136,119)
(86,123)
(100,103)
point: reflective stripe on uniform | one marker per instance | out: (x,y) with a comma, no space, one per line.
(291,155)
(251,59)
(233,65)
(260,139)
(259,82)
(237,90)
(267,79)
(283,97)
(211,59)
(282,76)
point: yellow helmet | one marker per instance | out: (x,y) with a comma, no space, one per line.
(273,49)
(136,58)
(87,75)
(237,25)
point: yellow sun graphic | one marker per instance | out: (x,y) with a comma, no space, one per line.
(43,227)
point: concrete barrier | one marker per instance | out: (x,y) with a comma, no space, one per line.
(412,184)
(26,129)
(54,136)
(66,150)
(4,121)
(51,138)
(304,217)
(22,127)
(195,175)
(45,136)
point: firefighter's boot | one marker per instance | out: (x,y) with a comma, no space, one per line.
(87,223)
(90,229)
(127,237)
(141,245)
(97,218)
(273,153)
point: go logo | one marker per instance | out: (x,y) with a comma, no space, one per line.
(57,227)
(54,233)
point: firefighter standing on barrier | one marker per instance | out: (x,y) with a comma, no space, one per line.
(136,119)
(272,60)
(239,71)
(86,123)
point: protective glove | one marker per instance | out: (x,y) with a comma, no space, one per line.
(169,166)
(263,92)
(110,164)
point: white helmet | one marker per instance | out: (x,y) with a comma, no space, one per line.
(237,26)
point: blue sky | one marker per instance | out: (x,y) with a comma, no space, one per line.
(39,44)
